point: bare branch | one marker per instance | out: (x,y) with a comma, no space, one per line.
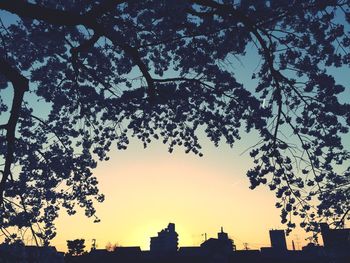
(20,85)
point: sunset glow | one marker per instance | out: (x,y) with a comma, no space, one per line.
(148,188)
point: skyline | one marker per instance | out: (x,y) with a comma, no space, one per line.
(220,172)
(164,247)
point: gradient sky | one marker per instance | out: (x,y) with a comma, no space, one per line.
(146,189)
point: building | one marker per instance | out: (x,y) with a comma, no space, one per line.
(190,251)
(166,241)
(20,253)
(223,244)
(128,251)
(12,253)
(312,248)
(278,239)
(335,238)
(43,254)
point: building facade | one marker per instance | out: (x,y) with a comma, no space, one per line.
(335,238)
(166,241)
(278,239)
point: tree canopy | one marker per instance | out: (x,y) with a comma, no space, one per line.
(76,247)
(104,71)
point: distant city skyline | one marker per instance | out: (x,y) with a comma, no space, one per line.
(164,248)
(199,194)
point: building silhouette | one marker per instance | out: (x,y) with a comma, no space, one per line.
(164,248)
(278,239)
(13,253)
(223,244)
(335,238)
(166,241)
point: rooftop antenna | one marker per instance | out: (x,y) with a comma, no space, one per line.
(93,246)
(205,236)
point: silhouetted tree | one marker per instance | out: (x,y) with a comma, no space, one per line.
(86,74)
(76,247)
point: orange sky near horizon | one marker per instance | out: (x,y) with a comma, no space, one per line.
(148,188)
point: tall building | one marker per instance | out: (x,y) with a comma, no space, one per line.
(278,239)
(223,244)
(166,241)
(222,235)
(335,238)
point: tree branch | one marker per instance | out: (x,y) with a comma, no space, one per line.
(60,17)
(135,55)
(304,147)
(20,85)
(340,223)
(54,16)
(228,9)
(83,47)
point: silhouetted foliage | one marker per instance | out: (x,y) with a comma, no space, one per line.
(105,71)
(76,247)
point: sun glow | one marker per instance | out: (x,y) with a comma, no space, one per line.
(147,190)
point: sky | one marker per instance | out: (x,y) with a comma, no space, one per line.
(146,189)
